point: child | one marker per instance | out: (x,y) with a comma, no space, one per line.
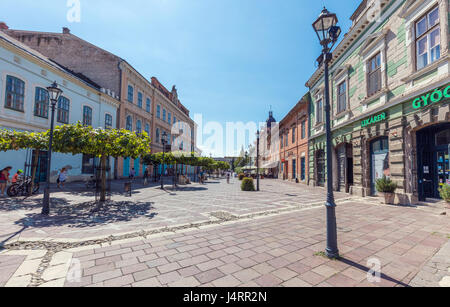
(62,177)
(16,176)
(4,179)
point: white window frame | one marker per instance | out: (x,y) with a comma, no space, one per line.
(427,35)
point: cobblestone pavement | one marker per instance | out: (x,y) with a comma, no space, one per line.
(150,208)
(280,249)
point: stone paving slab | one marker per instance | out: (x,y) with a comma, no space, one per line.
(282,249)
(436,272)
(274,251)
(149,208)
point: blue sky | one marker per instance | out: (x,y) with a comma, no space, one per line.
(230,59)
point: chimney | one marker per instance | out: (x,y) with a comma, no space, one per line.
(66,30)
(3,26)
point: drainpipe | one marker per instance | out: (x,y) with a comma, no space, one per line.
(116,162)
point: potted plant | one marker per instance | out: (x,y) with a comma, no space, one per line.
(248,185)
(386,187)
(444,191)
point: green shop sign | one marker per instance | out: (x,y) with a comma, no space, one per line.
(432,97)
(373,120)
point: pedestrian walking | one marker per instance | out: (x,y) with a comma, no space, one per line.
(4,180)
(228,177)
(132,174)
(62,177)
(146,175)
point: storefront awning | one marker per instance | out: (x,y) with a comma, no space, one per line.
(270,165)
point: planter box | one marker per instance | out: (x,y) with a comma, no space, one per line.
(387,198)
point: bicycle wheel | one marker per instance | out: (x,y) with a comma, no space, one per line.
(13,190)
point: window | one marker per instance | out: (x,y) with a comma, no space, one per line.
(303,169)
(129,125)
(428,39)
(158,111)
(108,121)
(169,118)
(138,126)
(157,135)
(41,103)
(374,75)
(15,93)
(147,129)
(87,166)
(282,141)
(443,138)
(319,115)
(287,140)
(87,116)
(174,120)
(342,97)
(140,100)
(303,129)
(63,110)
(293,135)
(164,114)
(130,94)
(148,105)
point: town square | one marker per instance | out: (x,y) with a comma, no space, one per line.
(302,146)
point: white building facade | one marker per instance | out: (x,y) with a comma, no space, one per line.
(24,106)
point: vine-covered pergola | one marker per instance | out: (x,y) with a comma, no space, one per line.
(78,139)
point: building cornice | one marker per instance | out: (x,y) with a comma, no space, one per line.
(350,38)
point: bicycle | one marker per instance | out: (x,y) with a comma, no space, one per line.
(91,183)
(22,187)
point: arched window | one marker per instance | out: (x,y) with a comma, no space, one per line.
(140,100)
(41,103)
(158,111)
(130,94)
(164,114)
(63,110)
(15,93)
(157,135)
(148,105)
(138,126)
(87,116)
(129,125)
(108,121)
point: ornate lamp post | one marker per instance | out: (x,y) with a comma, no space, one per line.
(164,143)
(258,135)
(328,34)
(54,92)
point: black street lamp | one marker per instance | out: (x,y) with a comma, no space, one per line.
(164,143)
(54,92)
(258,135)
(328,34)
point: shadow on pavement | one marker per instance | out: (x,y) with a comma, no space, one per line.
(82,215)
(367,270)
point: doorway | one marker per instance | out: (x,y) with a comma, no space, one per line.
(320,161)
(433,145)
(379,152)
(344,155)
(40,159)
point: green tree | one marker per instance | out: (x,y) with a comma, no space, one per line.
(77,139)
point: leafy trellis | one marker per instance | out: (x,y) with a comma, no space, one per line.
(78,139)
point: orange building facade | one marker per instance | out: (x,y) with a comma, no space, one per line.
(294,143)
